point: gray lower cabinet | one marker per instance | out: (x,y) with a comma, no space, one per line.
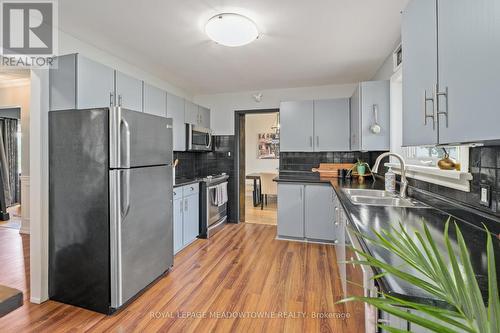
(419,42)
(320,213)
(291,210)
(175,110)
(297,126)
(186,215)
(77,82)
(155,100)
(331,125)
(128,91)
(370,104)
(308,212)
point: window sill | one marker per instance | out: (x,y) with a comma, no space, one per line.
(458,180)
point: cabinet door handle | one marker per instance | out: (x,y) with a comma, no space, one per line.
(119,100)
(185,205)
(317,140)
(111,99)
(437,94)
(300,193)
(426,115)
(310,141)
(180,206)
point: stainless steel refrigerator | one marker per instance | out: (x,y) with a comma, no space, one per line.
(110,205)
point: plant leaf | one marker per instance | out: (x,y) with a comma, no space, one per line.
(493,299)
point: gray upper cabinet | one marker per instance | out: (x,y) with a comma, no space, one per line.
(175,110)
(331,125)
(77,82)
(370,104)
(128,91)
(453,69)
(319,212)
(469,70)
(296,126)
(419,42)
(290,211)
(204,116)
(192,114)
(155,100)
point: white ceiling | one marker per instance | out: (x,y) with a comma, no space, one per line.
(302,43)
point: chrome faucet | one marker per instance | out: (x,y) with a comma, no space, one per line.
(404,182)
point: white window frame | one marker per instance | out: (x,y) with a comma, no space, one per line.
(459,180)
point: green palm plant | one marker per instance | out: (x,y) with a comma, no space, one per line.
(456,286)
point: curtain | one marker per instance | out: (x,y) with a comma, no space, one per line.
(9,161)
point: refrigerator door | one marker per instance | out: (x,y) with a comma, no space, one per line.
(139,139)
(141,229)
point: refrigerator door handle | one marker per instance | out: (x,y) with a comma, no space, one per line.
(126,148)
(115,238)
(125,192)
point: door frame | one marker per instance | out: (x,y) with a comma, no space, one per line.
(239,158)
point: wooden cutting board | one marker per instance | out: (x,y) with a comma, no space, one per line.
(330,170)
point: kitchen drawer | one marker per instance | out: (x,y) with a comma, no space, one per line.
(191,189)
(178,193)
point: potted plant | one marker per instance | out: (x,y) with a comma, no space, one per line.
(455,286)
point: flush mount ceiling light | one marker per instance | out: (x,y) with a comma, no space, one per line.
(231,29)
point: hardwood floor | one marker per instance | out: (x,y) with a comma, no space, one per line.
(267,216)
(241,269)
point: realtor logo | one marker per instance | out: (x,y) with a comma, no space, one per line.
(28,34)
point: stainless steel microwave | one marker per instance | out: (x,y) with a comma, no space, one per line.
(198,138)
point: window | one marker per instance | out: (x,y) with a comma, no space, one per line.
(429,156)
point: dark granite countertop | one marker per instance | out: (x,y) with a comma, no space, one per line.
(186,181)
(365,219)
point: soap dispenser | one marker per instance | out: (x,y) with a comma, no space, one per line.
(390,181)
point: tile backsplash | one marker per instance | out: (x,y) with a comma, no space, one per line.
(202,164)
(307,161)
(484,164)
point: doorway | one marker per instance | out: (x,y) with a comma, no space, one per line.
(15,96)
(257,164)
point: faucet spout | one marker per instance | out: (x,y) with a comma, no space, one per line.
(404,181)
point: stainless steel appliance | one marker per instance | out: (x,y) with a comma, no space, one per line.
(198,138)
(110,205)
(213,215)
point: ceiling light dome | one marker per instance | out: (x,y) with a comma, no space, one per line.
(231,29)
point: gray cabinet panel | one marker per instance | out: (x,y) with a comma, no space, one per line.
(178,213)
(291,210)
(191,218)
(191,113)
(175,110)
(155,101)
(62,88)
(331,125)
(419,41)
(204,114)
(95,84)
(296,120)
(356,120)
(469,53)
(128,91)
(375,95)
(319,212)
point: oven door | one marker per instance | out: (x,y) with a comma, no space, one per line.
(215,213)
(360,283)
(199,138)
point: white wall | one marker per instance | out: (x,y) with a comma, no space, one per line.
(254,125)
(224,105)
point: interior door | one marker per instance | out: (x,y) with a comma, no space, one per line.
(419,41)
(145,139)
(144,235)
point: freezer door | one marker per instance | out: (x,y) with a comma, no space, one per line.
(139,139)
(141,229)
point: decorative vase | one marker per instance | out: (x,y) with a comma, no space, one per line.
(361,170)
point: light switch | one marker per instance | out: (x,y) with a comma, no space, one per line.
(485,195)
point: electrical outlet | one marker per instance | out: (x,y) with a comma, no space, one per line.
(485,197)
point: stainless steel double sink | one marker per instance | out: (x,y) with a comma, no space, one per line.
(380,198)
